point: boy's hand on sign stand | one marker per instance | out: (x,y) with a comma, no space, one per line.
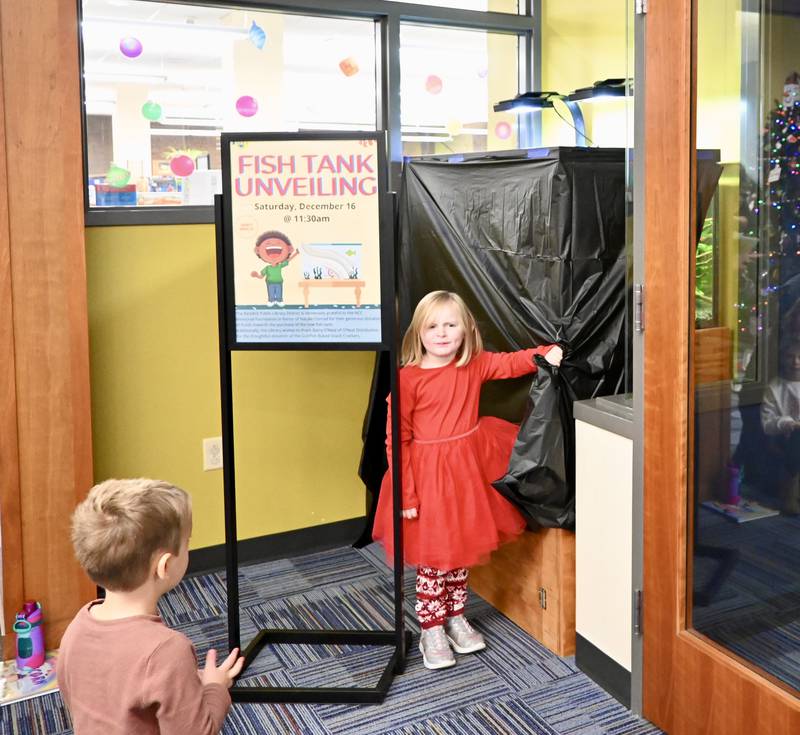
(226,672)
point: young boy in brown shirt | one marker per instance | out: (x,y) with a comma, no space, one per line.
(120,669)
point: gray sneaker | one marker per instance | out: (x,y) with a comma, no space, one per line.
(462,636)
(436,653)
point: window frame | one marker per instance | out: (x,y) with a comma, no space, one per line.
(387,17)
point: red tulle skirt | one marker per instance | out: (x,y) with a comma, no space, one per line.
(462,518)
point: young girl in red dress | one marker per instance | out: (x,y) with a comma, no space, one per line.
(452,517)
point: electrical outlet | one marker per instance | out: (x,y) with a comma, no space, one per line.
(212,453)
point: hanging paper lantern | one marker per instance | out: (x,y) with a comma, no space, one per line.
(433,84)
(503,130)
(181,165)
(151,110)
(246,106)
(130,47)
(454,127)
(117,176)
(349,66)
(257,35)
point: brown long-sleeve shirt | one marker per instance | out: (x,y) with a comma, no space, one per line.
(135,676)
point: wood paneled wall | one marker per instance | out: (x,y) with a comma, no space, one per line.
(713,355)
(512,579)
(45,420)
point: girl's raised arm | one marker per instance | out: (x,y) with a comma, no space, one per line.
(499,365)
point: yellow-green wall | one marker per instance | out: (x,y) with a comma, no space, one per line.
(155,391)
(719,77)
(719,74)
(582,43)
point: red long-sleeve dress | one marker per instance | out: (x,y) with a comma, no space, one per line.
(450,457)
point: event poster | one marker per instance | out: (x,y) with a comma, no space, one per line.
(305,237)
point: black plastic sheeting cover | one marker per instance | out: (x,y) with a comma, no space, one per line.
(535,244)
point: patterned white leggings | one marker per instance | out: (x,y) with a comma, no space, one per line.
(440,594)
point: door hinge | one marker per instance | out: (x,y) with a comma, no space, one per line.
(641,7)
(543,598)
(637,612)
(638,308)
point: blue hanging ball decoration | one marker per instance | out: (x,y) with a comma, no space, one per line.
(257,36)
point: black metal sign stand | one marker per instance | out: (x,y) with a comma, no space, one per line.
(398,637)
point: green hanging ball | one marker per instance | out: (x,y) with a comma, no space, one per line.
(117,176)
(151,110)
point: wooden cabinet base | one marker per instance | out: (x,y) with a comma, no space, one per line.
(538,568)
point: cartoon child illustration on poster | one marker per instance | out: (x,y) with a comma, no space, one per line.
(276,250)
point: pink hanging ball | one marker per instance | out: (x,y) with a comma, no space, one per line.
(433,84)
(503,130)
(130,47)
(182,165)
(247,106)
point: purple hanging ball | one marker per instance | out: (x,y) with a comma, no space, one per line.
(182,165)
(247,106)
(130,47)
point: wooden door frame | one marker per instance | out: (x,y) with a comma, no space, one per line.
(691,686)
(10,519)
(45,415)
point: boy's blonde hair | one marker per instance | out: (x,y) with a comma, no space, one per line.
(122,524)
(412,350)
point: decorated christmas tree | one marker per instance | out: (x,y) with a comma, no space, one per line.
(782,184)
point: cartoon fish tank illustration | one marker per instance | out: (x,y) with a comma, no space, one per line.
(331,261)
(334,266)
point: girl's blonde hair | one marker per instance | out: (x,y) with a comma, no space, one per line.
(412,350)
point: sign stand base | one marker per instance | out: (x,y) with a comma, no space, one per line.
(329,695)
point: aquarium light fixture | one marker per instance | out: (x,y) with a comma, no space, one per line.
(527,101)
(602,90)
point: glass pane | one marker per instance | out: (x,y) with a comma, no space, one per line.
(162,80)
(583,44)
(495,6)
(449,82)
(746,337)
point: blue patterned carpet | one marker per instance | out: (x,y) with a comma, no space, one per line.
(515,687)
(755,609)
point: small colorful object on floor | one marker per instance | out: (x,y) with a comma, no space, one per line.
(433,84)
(181,166)
(17,684)
(151,110)
(503,130)
(117,176)
(29,628)
(130,47)
(257,36)
(247,106)
(349,66)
